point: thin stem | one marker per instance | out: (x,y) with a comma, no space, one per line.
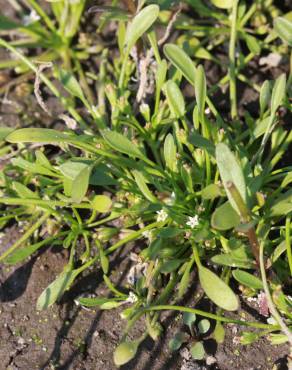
(211,316)
(270,302)
(232,67)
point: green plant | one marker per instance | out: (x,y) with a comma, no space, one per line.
(200,189)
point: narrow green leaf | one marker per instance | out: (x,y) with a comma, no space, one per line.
(282,205)
(225,217)
(140,181)
(229,260)
(37,135)
(278,92)
(140,24)
(56,289)
(253,44)
(23,191)
(265,96)
(71,84)
(283,28)
(217,290)
(230,171)
(161,74)
(247,279)
(122,144)
(92,302)
(175,99)
(181,61)
(200,89)
(170,152)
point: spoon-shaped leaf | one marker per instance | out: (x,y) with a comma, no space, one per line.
(169,150)
(217,290)
(230,172)
(181,61)
(225,217)
(197,351)
(175,99)
(125,352)
(247,279)
(140,24)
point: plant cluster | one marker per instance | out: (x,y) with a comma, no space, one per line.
(206,193)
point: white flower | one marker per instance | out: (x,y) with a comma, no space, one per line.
(132,298)
(147,234)
(31,18)
(193,221)
(161,215)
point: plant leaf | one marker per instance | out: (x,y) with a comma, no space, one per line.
(71,84)
(200,89)
(122,144)
(140,24)
(181,61)
(225,217)
(278,92)
(230,171)
(4,132)
(265,96)
(37,135)
(247,279)
(175,99)
(222,4)
(101,203)
(56,289)
(140,180)
(197,351)
(283,28)
(204,326)
(170,152)
(217,290)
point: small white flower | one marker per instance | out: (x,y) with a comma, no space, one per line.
(193,221)
(161,215)
(31,18)
(271,321)
(147,234)
(132,298)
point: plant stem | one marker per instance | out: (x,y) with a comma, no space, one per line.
(210,316)
(232,69)
(270,302)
